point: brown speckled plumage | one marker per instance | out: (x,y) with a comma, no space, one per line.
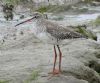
(60,32)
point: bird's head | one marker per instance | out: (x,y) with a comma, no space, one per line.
(36,16)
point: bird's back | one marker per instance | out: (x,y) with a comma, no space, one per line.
(60,32)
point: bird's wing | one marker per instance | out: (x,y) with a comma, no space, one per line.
(60,32)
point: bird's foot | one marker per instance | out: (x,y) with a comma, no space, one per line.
(55,72)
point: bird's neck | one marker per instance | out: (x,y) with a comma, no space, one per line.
(38,21)
(39,26)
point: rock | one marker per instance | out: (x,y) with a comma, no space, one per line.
(56,2)
(66,79)
(80,64)
(94,3)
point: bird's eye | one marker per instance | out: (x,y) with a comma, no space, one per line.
(35,16)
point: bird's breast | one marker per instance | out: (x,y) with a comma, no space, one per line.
(36,29)
(40,32)
(46,38)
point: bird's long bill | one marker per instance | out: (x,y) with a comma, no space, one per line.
(25,21)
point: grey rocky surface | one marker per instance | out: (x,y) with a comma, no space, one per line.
(20,57)
(21,53)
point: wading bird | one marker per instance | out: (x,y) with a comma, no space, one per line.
(51,33)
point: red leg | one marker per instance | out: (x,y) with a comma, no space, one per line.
(60,58)
(55,58)
(55,71)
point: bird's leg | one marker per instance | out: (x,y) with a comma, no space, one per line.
(60,58)
(55,58)
(55,71)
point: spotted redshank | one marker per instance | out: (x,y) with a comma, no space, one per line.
(51,33)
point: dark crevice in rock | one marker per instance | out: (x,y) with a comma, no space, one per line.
(95,66)
(98,55)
